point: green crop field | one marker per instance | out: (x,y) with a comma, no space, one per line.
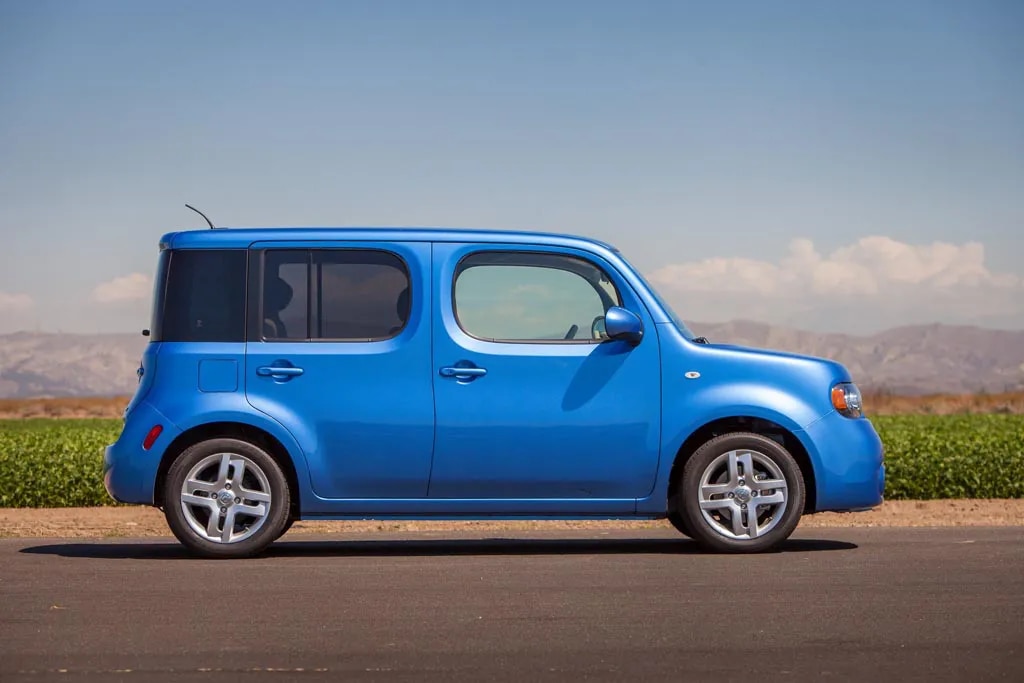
(59,463)
(54,463)
(953,456)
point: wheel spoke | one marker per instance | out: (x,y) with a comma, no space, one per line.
(212,528)
(225,466)
(239,472)
(249,494)
(200,485)
(772,498)
(709,490)
(251,510)
(718,504)
(737,459)
(737,522)
(229,525)
(751,513)
(767,484)
(193,499)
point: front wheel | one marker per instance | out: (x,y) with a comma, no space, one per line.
(226,498)
(741,493)
(677,521)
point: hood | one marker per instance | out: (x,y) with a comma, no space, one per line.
(782,365)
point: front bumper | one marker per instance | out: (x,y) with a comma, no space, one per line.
(129,472)
(849,463)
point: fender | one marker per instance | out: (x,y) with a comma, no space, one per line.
(716,402)
(201,409)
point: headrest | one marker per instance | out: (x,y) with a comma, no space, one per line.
(402,305)
(277,295)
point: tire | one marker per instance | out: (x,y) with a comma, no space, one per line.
(201,496)
(675,518)
(287,525)
(729,477)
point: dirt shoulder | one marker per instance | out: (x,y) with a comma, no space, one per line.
(133,521)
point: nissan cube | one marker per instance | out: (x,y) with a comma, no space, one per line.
(346,373)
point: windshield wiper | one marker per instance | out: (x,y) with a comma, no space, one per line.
(701,340)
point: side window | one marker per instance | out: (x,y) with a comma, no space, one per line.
(285,294)
(514,296)
(333,294)
(363,295)
(201,296)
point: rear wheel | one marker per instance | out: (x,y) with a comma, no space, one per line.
(741,493)
(226,498)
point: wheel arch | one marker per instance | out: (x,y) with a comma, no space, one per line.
(744,423)
(231,430)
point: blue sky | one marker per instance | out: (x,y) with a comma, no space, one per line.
(825,165)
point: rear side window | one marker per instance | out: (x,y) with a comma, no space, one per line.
(333,294)
(202,297)
(284,295)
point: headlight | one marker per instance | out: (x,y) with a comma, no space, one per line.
(846,399)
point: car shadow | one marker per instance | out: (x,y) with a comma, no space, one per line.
(106,550)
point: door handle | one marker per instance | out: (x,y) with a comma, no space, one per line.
(278,371)
(463,372)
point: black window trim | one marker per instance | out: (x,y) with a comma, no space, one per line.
(459,269)
(257,261)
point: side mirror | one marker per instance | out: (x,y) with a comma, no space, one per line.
(623,325)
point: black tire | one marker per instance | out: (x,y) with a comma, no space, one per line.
(287,525)
(772,523)
(242,456)
(676,519)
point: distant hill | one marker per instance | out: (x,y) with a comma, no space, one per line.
(37,364)
(906,360)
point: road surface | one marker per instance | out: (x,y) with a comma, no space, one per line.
(839,604)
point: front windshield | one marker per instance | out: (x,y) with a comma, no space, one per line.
(671,313)
(676,320)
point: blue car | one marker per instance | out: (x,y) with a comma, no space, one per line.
(344,373)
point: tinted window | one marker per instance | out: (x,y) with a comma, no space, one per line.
(363,294)
(345,295)
(285,295)
(156,323)
(203,296)
(532,297)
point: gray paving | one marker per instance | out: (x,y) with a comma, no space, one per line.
(840,604)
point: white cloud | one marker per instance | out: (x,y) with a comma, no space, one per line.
(875,282)
(15,302)
(132,287)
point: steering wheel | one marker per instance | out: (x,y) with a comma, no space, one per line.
(571,334)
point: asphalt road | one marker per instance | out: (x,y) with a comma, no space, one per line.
(845,604)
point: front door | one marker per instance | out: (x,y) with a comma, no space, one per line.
(532,400)
(338,352)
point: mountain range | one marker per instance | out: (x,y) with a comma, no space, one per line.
(911,360)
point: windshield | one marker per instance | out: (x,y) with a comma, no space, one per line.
(671,313)
(676,320)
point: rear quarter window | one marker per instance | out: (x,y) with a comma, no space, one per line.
(201,296)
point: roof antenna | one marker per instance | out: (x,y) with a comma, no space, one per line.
(208,222)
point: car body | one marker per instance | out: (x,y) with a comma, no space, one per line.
(459,374)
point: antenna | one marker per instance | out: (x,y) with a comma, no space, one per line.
(208,222)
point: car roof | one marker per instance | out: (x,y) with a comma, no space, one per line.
(244,237)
